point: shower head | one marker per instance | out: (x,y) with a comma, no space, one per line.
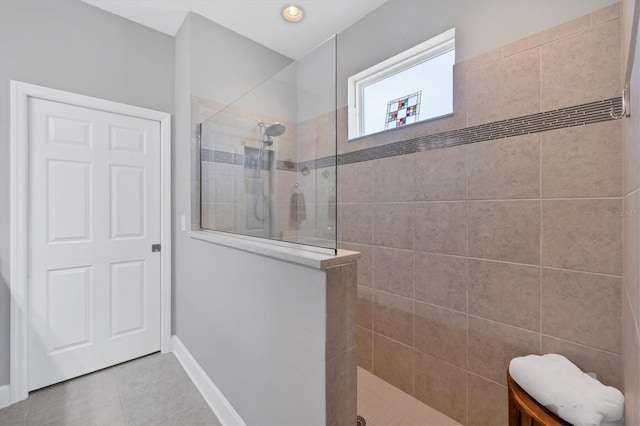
(272,131)
(275,130)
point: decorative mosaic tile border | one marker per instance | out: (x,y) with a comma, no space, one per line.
(580,115)
(212,156)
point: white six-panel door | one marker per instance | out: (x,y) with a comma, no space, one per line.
(94,203)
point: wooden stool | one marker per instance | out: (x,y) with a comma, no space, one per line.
(525,411)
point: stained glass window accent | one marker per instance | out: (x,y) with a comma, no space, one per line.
(404,110)
(424,71)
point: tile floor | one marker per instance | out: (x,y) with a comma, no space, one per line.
(153,390)
(384,405)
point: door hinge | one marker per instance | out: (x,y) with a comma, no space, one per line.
(155,248)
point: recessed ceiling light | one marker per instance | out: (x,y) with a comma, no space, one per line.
(292,13)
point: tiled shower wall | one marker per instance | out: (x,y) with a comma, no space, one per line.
(225,187)
(475,254)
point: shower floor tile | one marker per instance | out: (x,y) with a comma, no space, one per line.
(384,405)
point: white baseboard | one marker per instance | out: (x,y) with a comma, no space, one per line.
(5,396)
(210,392)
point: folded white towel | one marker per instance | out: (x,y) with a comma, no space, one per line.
(560,386)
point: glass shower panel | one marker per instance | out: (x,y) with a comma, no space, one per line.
(268,160)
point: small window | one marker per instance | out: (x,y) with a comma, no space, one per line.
(412,86)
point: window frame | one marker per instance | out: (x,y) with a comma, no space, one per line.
(423,52)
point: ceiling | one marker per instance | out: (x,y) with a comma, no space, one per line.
(259,20)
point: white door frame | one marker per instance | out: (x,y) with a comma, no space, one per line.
(19,217)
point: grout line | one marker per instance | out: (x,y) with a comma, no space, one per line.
(504,200)
(636,325)
(540,242)
(503,323)
(393,340)
(467,293)
(533,265)
(465,369)
(409,299)
(373,308)
(632,192)
(581,344)
(581,272)
(487,379)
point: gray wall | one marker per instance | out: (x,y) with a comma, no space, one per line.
(254,324)
(69,45)
(226,65)
(480,26)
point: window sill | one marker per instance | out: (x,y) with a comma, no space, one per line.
(280,252)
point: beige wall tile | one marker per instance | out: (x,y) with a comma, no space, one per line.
(492,345)
(505,168)
(345,146)
(393,271)
(365,349)
(505,230)
(631,250)
(336,313)
(348,280)
(631,157)
(357,223)
(547,36)
(505,89)
(441,386)
(441,280)
(285,181)
(441,333)
(365,263)
(460,103)
(441,227)
(480,60)
(581,68)
(393,363)
(342,129)
(365,307)
(605,14)
(325,136)
(606,365)
(631,365)
(349,386)
(340,226)
(393,179)
(505,292)
(355,182)
(582,162)
(583,308)
(583,235)
(341,391)
(439,174)
(487,402)
(393,317)
(411,205)
(393,225)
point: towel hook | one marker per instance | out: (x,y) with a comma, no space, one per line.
(625,111)
(298,188)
